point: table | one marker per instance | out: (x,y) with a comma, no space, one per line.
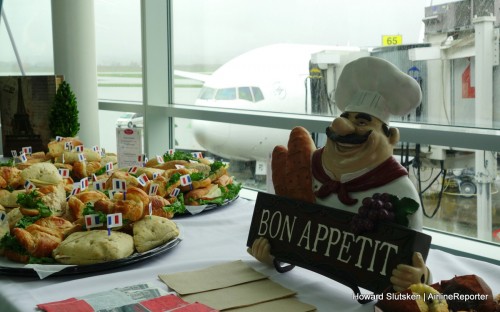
(210,238)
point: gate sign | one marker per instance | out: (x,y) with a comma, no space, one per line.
(320,239)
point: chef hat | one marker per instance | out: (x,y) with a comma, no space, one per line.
(374,86)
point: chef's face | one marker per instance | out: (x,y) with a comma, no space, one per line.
(357,141)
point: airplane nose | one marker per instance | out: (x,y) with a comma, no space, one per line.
(343,126)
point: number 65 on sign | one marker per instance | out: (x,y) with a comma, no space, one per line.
(389,40)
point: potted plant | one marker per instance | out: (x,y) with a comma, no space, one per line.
(63,119)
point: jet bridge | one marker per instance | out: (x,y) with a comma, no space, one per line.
(460,51)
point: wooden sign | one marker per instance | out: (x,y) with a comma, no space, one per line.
(320,239)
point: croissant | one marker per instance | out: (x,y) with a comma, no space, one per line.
(39,241)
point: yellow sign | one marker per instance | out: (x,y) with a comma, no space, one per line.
(389,40)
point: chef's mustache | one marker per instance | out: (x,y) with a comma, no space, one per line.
(348,139)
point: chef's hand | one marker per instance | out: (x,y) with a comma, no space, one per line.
(405,275)
(261,250)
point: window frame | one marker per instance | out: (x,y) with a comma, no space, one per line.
(159,112)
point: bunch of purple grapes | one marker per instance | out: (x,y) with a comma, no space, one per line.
(373,209)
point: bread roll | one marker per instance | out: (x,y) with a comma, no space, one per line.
(9,199)
(153,231)
(42,174)
(92,247)
(56,148)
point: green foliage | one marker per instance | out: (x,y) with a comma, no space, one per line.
(403,208)
(63,119)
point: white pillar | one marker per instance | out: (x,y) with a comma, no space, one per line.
(485,162)
(73,29)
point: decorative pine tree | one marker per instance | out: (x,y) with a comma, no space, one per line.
(63,120)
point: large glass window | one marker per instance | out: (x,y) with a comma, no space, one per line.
(26,38)
(294,54)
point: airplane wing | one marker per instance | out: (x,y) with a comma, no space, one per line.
(191,75)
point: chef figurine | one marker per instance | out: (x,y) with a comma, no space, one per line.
(357,160)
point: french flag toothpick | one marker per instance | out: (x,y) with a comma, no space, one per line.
(79,148)
(14,153)
(153,189)
(27,150)
(29,186)
(133,170)
(119,185)
(3,217)
(23,157)
(175,192)
(92,221)
(84,183)
(197,155)
(99,185)
(109,166)
(114,220)
(64,173)
(159,159)
(143,179)
(185,180)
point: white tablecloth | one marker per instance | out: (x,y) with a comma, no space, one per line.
(211,238)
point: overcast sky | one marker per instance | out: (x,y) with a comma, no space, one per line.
(215,30)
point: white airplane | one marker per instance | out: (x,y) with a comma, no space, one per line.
(272,78)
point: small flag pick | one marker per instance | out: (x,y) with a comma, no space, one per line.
(185,180)
(59,138)
(171,151)
(3,216)
(197,155)
(29,186)
(92,221)
(141,159)
(64,173)
(143,179)
(133,170)
(99,185)
(68,146)
(119,185)
(14,153)
(79,148)
(153,189)
(109,166)
(84,183)
(81,157)
(159,159)
(114,220)
(175,192)
(23,157)
(27,150)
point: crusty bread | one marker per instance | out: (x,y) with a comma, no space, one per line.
(42,174)
(153,231)
(291,166)
(91,247)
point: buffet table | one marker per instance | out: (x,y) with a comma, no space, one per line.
(211,238)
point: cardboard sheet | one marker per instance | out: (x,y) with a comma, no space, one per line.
(214,277)
(241,295)
(287,304)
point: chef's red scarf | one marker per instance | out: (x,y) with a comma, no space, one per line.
(386,172)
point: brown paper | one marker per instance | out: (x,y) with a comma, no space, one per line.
(241,295)
(287,304)
(214,277)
